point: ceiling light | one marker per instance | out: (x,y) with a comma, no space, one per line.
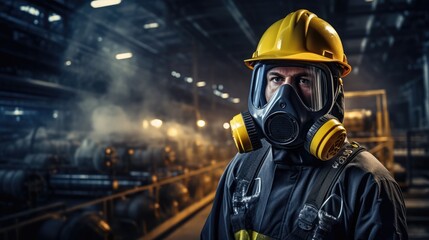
(201,123)
(235,100)
(54,17)
(224,95)
(189,79)
(126,55)
(104,3)
(16,112)
(175,74)
(157,123)
(151,25)
(31,10)
(201,84)
(399,20)
(217,92)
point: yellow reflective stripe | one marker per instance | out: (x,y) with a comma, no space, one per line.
(241,235)
(249,235)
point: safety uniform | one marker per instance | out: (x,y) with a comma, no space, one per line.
(295,114)
(373,206)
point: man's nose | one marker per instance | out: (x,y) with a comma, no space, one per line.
(288,80)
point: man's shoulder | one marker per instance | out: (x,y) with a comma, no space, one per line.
(366,165)
(236,162)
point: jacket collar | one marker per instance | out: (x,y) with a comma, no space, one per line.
(295,157)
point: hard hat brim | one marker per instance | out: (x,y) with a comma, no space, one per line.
(306,56)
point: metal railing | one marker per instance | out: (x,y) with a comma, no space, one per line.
(13,231)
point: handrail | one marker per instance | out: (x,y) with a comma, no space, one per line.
(58,213)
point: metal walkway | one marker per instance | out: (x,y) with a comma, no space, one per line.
(191,229)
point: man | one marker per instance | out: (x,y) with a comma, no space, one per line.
(297,176)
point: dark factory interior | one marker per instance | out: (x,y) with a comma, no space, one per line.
(114,119)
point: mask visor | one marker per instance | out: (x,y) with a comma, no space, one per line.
(310,82)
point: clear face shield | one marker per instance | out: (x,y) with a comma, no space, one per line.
(289,106)
(311,83)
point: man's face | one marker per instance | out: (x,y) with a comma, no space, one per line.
(298,77)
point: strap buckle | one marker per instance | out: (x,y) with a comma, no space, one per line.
(307,217)
(240,199)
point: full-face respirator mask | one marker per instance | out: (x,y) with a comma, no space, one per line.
(289,106)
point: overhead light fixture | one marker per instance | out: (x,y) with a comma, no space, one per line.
(31,10)
(126,55)
(201,123)
(217,92)
(235,100)
(226,125)
(201,84)
(399,20)
(175,74)
(151,25)
(224,95)
(104,3)
(157,123)
(67,63)
(189,79)
(16,112)
(54,17)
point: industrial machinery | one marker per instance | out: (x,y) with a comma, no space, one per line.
(99,189)
(56,180)
(367,121)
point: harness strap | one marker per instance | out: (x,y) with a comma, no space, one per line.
(324,183)
(308,215)
(250,167)
(243,183)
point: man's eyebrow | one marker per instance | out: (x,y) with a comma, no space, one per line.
(282,75)
(276,74)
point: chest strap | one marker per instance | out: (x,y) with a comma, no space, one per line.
(243,183)
(325,180)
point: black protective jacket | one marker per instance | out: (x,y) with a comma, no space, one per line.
(367,200)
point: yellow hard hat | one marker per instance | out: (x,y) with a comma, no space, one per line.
(301,36)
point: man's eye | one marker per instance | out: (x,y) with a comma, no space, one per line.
(276,79)
(304,81)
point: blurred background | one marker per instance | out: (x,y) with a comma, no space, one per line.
(114,114)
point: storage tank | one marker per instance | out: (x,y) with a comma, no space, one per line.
(86,225)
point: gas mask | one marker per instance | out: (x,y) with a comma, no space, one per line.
(289,106)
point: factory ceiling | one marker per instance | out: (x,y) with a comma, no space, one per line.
(73,45)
